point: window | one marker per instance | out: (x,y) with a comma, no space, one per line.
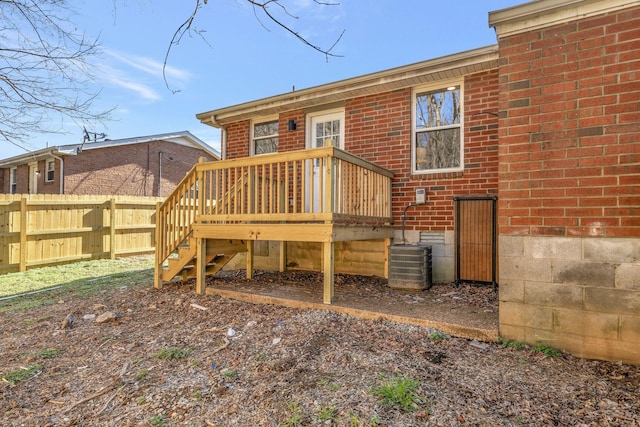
(327,130)
(438,133)
(264,138)
(13,180)
(51,170)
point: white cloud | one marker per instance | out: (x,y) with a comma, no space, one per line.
(118,78)
(141,89)
(150,66)
(139,74)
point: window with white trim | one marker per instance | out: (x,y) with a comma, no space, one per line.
(437,145)
(13,180)
(264,137)
(51,170)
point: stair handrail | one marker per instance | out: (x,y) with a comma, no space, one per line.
(169,232)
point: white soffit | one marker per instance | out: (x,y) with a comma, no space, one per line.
(544,13)
(444,68)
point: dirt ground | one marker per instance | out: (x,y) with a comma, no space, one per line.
(173,358)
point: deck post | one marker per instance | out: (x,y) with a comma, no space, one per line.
(157,273)
(327,257)
(283,256)
(201,265)
(249,259)
(387,242)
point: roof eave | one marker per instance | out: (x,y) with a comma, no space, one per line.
(446,67)
(33,156)
(544,13)
(72,149)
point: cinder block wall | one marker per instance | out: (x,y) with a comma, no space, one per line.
(579,294)
(569,198)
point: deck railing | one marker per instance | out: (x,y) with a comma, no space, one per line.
(316,185)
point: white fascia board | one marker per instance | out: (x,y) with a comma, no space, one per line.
(544,13)
(185,138)
(33,156)
(399,77)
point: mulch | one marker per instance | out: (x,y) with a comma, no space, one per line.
(170,357)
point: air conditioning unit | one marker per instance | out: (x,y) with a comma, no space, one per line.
(410,267)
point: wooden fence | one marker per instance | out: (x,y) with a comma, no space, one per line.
(41,229)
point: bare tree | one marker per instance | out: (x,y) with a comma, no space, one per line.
(275,11)
(45,64)
(45,69)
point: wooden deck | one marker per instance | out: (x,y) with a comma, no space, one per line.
(323,195)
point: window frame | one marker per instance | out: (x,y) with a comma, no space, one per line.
(13,179)
(310,117)
(52,170)
(435,87)
(252,138)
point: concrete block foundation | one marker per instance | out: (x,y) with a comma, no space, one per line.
(578,294)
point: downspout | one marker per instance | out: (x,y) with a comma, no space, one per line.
(61,171)
(223,144)
(223,136)
(161,154)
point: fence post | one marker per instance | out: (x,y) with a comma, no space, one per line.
(112,226)
(23,234)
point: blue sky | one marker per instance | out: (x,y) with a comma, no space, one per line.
(237,58)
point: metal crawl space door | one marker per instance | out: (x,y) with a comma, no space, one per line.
(476,239)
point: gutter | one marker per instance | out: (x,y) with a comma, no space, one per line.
(400,77)
(544,13)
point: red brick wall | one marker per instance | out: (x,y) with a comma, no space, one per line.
(291,140)
(22,180)
(569,128)
(129,169)
(22,186)
(378,129)
(238,139)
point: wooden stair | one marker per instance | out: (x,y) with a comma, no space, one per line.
(218,254)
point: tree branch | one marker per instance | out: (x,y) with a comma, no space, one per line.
(186,26)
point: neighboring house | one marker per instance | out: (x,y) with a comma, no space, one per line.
(143,166)
(547,120)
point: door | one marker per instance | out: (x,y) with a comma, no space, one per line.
(476,239)
(325,129)
(33,178)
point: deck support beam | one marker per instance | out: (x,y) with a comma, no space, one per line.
(201,265)
(387,242)
(157,276)
(283,256)
(249,259)
(327,268)
(157,271)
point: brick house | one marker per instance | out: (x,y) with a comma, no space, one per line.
(547,122)
(374,117)
(142,166)
(569,175)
